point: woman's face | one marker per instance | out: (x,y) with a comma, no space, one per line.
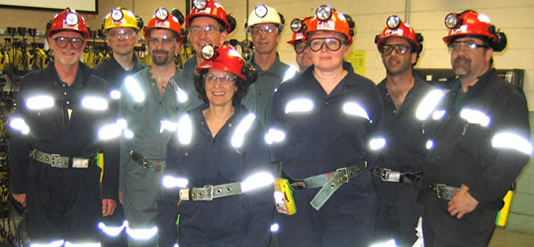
(220,87)
(327,50)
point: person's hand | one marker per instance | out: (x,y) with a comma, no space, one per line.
(108,207)
(121,196)
(462,203)
(20,198)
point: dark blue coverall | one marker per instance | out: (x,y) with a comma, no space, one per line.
(239,220)
(114,73)
(63,203)
(464,152)
(398,211)
(321,140)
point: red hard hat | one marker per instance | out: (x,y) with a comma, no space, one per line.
(211,9)
(164,20)
(328,19)
(395,27)
(468,23)
(300,34)
(68,20)
(225,58)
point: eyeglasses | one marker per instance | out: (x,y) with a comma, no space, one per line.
(299,47)
(257,30)
(122,34)
(164,41)
(399,49)
(224,80)
(209,29)
(332,44)
(466,46)
(62,42)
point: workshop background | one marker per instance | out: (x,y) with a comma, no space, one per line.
(513,17)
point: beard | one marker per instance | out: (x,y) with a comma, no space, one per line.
(160,57)
(461,66)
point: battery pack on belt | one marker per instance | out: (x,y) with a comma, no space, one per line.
(328,182)
(152,164)
(388,175)
(444,191)
(55,160)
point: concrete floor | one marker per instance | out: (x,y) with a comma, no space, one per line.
(504,238)
(501,238)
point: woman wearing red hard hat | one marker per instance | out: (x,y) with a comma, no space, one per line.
(218,168)
(329,117)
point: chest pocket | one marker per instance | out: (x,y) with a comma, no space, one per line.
(475,132)
(135,94)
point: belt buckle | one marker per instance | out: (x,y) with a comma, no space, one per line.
(210,192)
(345,172)
(80,163)
(439,190)
(184,194)
(54,159)
(390,176)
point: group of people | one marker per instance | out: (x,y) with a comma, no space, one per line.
(191,155)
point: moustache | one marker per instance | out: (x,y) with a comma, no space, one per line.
(462,59)
(160,52)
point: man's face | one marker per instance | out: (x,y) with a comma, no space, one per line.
(122,40)
(205,30)
(302,55)
(397,55)
(265,37)
(469,57)
(162,45)
(67,47)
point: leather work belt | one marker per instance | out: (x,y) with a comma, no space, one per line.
(388,175)
(210,192)
(328,182)
(55,160)
(443,191)
(156,165)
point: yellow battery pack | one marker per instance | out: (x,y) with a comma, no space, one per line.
(283,197)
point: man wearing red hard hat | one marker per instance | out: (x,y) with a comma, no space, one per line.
(478,138)
(54,142)
(398,171)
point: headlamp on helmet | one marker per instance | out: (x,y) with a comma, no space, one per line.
(323,13)
(68,20)
(207,52)
(261,10)
(296,25)
(393,22)
(328,19)
(396,28)
(121,17)
(71,19)
(213,9)
(471,23)
(264,14)
(452,20)
(225,58)
(162,14)
(200,4)
(116,14)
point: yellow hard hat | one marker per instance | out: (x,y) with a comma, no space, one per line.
(264,14)
(121,17)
